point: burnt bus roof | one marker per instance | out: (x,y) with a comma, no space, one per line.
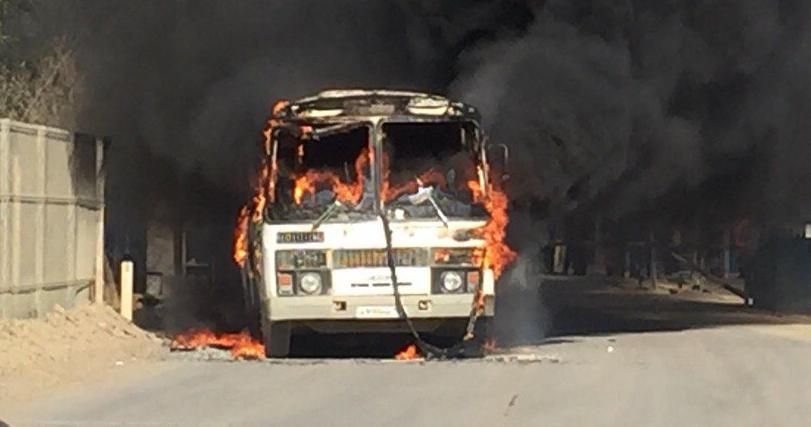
(336,106)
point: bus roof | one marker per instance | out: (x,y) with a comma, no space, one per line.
(347,105)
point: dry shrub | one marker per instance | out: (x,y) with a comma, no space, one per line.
(44,91)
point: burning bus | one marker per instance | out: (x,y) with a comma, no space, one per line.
(375,211)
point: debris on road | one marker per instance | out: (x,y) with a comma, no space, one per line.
(510,404)
(521,358)
(501,358)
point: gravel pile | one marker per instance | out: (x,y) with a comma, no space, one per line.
(68,346)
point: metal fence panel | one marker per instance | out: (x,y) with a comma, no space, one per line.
(51,214)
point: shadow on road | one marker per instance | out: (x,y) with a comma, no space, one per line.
(590,306)
(560,308)
(566,307)
(346,346)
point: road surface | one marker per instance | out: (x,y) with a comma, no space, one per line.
(649,366)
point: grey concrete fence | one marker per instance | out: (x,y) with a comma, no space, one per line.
(51,218)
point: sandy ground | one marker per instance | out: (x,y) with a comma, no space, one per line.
(67,348)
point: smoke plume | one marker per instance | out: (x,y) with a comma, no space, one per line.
(617,102)
(522,314)
(611,106)
(626,100)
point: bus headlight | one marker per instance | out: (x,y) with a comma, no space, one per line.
(451,281)
(310,283)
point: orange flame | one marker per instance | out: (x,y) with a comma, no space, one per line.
(241,344)
(246,347)
(309,182)
(241,237)
(251,212)
(498,254)
(408,353)
(263,189)
(344,192)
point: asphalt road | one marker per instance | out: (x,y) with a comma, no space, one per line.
(655,362)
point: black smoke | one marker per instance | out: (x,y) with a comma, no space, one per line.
(626,101)
(192,82)
(613,104)
(671,107)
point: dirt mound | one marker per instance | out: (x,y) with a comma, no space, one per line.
(68,346)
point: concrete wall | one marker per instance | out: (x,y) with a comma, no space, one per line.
(51,218)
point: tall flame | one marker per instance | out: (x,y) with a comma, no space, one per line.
(264,188)
(241,236)
(251,212)
(498,255)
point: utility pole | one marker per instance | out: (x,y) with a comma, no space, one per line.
(127,271)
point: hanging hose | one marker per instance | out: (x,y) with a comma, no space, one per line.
(430,351)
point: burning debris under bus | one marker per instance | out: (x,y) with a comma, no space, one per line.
(374,211)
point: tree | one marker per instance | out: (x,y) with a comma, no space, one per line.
(38,81)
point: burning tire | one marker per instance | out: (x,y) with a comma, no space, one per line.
(276,337)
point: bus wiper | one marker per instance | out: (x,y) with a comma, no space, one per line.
(427,193)
(327,214)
